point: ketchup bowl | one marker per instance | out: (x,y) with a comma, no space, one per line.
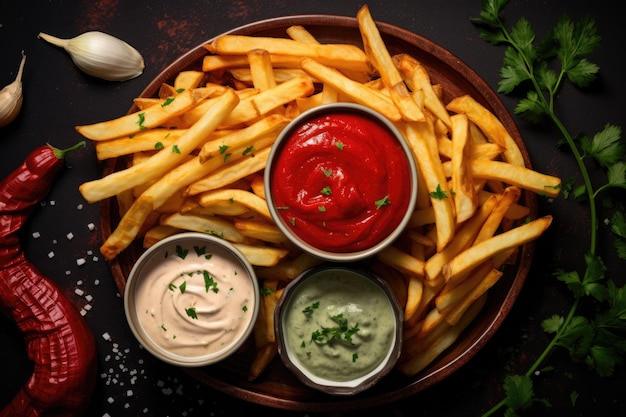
(341,182)
(192,299)
(338,328)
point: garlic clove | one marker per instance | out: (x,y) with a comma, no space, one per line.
(11,97)
(101,55)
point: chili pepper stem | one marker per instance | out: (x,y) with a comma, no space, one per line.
(60,153)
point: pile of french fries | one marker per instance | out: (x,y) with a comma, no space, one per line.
(197,153)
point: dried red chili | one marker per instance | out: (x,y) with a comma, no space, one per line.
(58,340)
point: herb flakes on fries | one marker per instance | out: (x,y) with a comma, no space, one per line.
(197,152)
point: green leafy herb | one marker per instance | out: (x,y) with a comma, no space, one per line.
(321,208)
(200,250)
(172,287)
(308,310)
(245,309)
(342,332)
(382,202)
(141,121)
(227,156)
(180,90)
(292,221)
(223,149)
(159,145)
(167,101)
(181,252)
(191,312)
(183,287)
(438,194)
(355,356)
(247,150)
(340,145)
(327,172)
(209,282)
(326,190)
(536,70)
(175,149)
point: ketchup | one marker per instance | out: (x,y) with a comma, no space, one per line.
(341,182)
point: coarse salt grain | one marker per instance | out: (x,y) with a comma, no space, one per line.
(36,235)
(80,261)
(51,254)
(106,336)
(68,272)
(69,236)
(78,291)
(91,227)
(79,207)
(110,400)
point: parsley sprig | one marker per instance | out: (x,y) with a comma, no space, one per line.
(539,69)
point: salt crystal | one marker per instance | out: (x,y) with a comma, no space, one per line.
(52,202)
(89,297)
(129,393)
(70,236)
(106,336)
(36,235)
(79,207)
(80,261)
(91,227)
(68,272)
(51,254)
(110,400)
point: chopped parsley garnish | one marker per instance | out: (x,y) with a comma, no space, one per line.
(292,221)
(307,311)
(180,90)
(141,121)
(167,101)
(181,252)
(340,145)
(200,250)
(355,356)
(382,202)
(209,282)
(176,149)
(191,312)
(326,190)
(183,287)
(321,208)
(247,150)
(223,149)
(159,145)
(245,309)
(327,172)
(438,194)
(342,332)
(172,287)
(227,157)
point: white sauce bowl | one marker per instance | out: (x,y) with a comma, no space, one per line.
(192,299)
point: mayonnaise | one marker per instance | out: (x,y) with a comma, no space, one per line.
(192,302)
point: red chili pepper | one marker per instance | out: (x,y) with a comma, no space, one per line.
(58,340)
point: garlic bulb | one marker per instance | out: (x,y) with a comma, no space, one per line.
(11,97)
(101,55)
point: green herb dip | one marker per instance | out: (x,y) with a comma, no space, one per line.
(339,325)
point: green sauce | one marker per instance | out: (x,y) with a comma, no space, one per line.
(339,325)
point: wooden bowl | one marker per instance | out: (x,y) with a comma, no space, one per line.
(278,387)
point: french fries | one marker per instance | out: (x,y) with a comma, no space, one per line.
(196,155)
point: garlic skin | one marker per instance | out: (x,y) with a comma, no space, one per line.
(101,55)
(11,97)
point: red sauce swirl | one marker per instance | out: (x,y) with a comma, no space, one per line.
(341,182)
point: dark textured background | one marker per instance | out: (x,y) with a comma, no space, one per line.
(130,382)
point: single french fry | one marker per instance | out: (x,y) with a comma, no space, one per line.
(153,116)
(164,160)
(267,126)
(354,90)
(158,233)
(493,128)
(401,261)
(188,79)
(260,230)
(265,256)
(245,198)
(516,175)
(515,212)
(423,143)
(480,252)
(261,360)
(261,69)
(230,172)
(146,140)
(340,55)
(212,225)
(510,196)
(379,56)
(415,290)
(465,197)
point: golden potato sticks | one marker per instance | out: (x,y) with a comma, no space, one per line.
(381,60)
(164,160)
(489,125)
(338,55)
(153,116)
